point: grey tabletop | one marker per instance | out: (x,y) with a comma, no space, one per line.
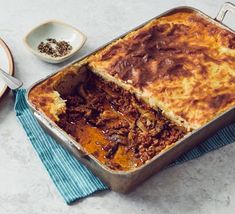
(205,185)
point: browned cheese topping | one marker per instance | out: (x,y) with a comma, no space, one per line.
(184,63)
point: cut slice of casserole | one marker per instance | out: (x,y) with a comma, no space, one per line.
(180,63)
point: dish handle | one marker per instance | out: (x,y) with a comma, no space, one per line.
(227,7)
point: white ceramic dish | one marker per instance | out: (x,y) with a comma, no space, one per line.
(6,63)
(56,30)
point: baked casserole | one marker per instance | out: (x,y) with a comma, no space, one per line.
(139,95)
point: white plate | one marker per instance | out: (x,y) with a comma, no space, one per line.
(6,63)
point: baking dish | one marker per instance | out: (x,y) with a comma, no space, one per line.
(124,181)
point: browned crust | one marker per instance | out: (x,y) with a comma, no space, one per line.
(45,97)
(181,63)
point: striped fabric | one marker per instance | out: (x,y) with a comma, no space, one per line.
(71,178)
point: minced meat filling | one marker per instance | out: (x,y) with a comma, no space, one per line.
(111,124)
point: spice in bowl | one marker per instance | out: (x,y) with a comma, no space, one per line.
(55,48)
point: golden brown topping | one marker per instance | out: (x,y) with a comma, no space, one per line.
(179,63)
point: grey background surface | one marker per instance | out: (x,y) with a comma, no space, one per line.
(205,185)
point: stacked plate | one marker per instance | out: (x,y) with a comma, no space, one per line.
(6,63)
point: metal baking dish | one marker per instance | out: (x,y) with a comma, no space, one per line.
(123,181)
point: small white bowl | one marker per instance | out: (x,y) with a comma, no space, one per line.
(56,30)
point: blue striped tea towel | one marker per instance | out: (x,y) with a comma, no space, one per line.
(72,179)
